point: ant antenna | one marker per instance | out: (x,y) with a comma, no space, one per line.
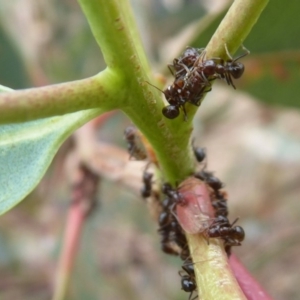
(154,86)
(234,221)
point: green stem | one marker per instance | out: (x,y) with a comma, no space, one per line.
(233,30)
(235,27)
(59,99)
(215,279)
(114,29)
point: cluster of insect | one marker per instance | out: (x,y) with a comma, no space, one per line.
(173,240)
(193,74)
(171,230)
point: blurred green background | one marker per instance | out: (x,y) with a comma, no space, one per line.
(251,135)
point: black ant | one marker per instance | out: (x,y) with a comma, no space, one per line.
(132,139)
(199,153)
(173,238)
(188,282)
(221,228)
(146,190)
(220,206)
(211,180)
(173,194)
(219,68)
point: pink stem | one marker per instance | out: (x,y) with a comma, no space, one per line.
(250,287)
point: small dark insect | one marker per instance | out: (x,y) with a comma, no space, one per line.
(146,190)
(183,63)
(210,179)
(173,239)
(179,93)
(134,144)
(173,194)
(220,206)
(231,67)
(218,68)
(188,282)
(221,228)
(199,153)
(182,91)
(176,98)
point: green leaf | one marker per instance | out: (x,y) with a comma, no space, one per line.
(27,149)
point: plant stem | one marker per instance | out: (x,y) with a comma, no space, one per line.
(84,199)
(75,222)
(60,99)
(234,28)
(114,29)
(215,279)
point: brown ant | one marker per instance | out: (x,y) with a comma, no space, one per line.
(186,61)
(178,94)
(132,138)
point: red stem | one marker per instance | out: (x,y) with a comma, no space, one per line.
(250,287)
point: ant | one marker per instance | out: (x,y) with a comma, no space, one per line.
(220,206)
(214,182)
(171,232)
(219,68)
(176,97)
(146,190)
(132,138)
(173,194)
(221,228)
(178,94)
(173,238)
(184,62)
(188,282)
(200,154)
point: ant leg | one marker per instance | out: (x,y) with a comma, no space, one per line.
(229,80)
(170,69)
(195,297)
(191,294)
